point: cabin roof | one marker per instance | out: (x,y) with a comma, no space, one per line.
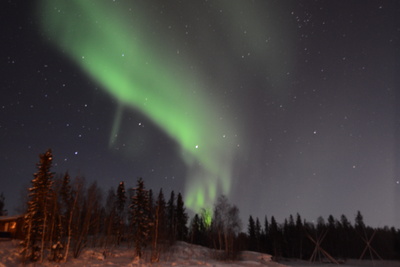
(10,218)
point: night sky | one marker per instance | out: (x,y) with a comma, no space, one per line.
(283,106)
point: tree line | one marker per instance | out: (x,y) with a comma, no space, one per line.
(64,216)
(332,240)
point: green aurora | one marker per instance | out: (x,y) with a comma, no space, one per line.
(107,41)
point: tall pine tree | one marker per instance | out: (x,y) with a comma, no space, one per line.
(251,232)
(275,238)
(197,231)
(37,215)
(120,209)
(140,217)
(69,202)
(258,234)
(110,210)
(159,229)
(181,219)
(171,217)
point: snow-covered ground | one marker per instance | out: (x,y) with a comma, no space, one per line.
(348,263)
(181,254)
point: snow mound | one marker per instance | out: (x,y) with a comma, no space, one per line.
(180,254)
(256,257)
(184,254)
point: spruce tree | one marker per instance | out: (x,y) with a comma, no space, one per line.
(161,215)
(171,217)
(289,235)
(346,236)
(37,215)
(120,210)
(258,234)
(265,239)
(140,217)
(121,198)
(181,219)
(359,223)
(361,232)
(69,202)
(197,231)
(159,229)
(251,232)
(111,217)
(299,236)
(276,238)
(331,236)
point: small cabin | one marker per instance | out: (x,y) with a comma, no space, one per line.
(12,227)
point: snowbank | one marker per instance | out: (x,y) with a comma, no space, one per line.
(181,254)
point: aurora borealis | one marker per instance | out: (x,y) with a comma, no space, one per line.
(284,106)
(119,58)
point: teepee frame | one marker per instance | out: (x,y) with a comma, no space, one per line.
(368,246)
(318,250)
